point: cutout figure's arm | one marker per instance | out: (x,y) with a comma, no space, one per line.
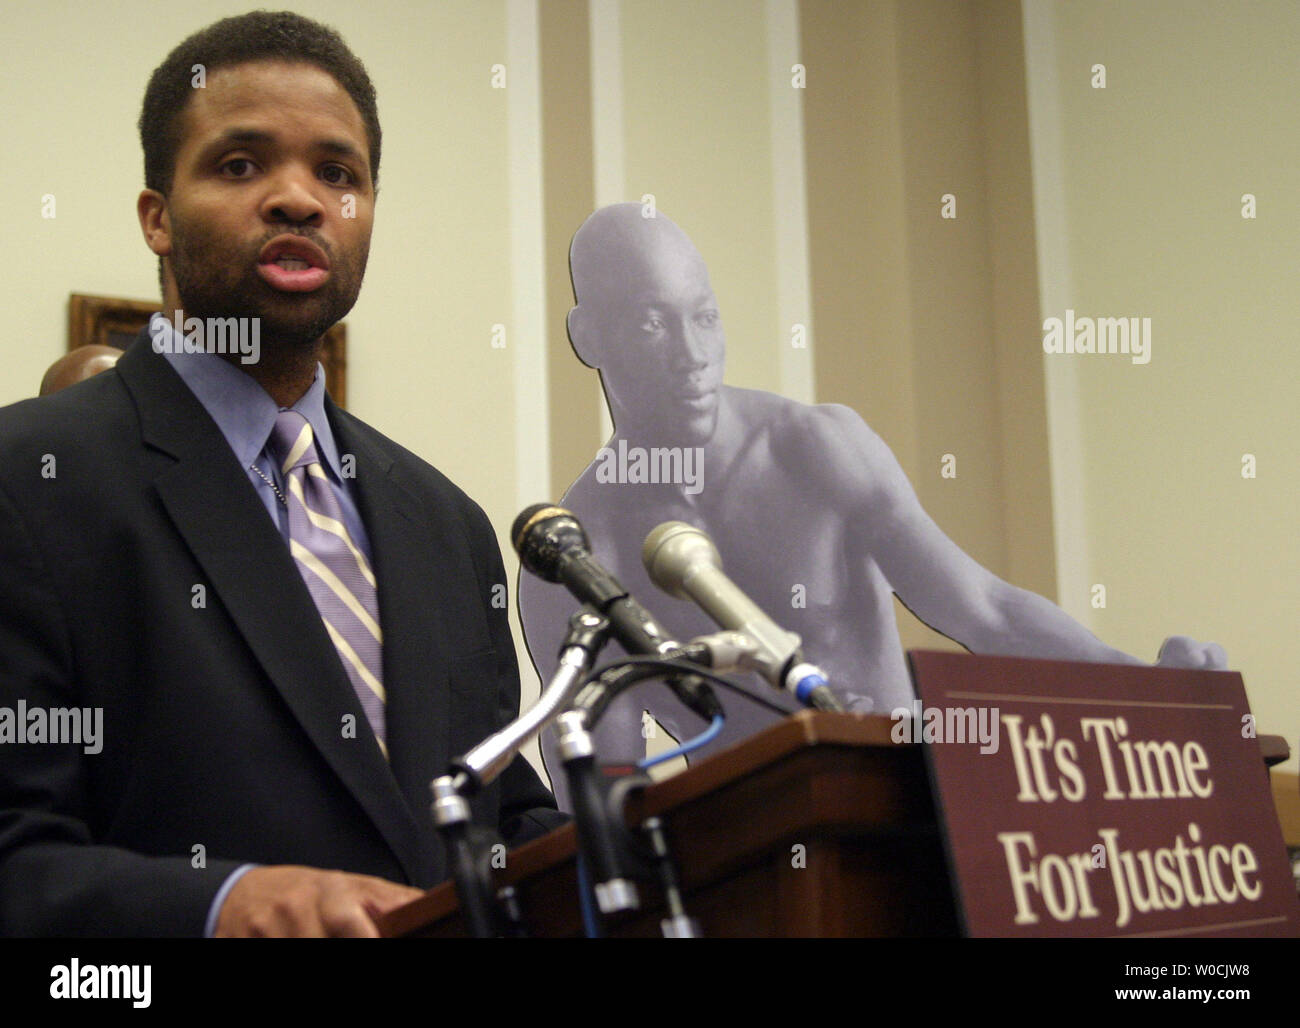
(937,580)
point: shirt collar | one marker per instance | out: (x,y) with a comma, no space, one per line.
(242,409)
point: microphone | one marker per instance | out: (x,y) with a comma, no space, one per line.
(683,562)
(552,544)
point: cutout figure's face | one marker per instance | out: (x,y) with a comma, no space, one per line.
(661,346)
(272,204)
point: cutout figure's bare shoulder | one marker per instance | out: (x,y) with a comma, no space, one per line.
(758,410)
(757,407)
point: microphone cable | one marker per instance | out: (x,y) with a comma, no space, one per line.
(690,746)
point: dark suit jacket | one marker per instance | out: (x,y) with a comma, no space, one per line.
(139,573)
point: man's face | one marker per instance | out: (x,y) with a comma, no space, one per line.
(258,216)
(662,347)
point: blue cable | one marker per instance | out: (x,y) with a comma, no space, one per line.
(703,739)
(590,923)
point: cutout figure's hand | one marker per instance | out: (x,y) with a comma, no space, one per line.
(1184,651)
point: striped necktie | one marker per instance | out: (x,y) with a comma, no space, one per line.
(336,572)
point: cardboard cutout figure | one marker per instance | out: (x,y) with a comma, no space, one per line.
(810,511)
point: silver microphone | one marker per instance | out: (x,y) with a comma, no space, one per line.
(682,561)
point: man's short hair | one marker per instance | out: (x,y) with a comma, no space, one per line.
(256,36)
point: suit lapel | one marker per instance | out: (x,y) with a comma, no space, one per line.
(409,549)
(217,513)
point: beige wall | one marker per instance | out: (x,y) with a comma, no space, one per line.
(1128,476)
(922,321)
(697,137)
(1197,110)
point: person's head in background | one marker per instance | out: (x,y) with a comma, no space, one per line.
(78,365)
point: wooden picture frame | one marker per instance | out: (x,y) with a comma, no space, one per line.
(116,321)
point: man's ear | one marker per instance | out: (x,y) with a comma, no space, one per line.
(155,222)
(584,337)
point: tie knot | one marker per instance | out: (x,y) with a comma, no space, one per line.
(292,442)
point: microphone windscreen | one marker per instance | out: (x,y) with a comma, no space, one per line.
(542,534)
(671,550)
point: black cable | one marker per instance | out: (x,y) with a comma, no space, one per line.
(613,678)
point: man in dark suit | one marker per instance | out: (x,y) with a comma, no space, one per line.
(186,742)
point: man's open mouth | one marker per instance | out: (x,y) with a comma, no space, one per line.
(292,264)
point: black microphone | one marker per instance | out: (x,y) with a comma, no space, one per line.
(552,544)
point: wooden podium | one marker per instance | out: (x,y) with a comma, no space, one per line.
(820,826)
